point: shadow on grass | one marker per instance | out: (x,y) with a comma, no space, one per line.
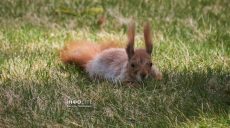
(195,94)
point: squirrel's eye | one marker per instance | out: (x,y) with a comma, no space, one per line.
(132,65)
(150,64)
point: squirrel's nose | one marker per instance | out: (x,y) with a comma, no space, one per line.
(143,75)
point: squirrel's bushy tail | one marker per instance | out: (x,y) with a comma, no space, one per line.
(81,52)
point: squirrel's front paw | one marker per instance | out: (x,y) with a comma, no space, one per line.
(157,75)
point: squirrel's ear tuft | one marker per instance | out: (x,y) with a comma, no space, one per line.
(148,38)
(131,37)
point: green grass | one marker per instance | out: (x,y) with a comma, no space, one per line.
(191,48)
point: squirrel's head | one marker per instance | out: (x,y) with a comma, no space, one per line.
(139,60)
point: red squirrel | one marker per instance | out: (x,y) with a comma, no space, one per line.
(109,62)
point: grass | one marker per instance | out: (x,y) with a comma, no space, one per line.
(191,47)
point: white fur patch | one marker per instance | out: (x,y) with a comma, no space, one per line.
(110,64)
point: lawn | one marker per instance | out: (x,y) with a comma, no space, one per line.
(191,47)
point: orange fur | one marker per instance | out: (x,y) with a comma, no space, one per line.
(80,52)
